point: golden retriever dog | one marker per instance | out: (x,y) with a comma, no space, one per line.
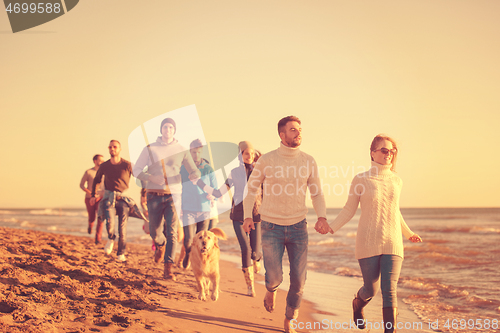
(204,259)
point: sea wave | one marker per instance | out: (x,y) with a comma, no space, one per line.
(481,230)
(434,250)
(442,258)
(346,271)
(55,212)
(449,312)
(465,230)
(11,220)
(433,287)
(483,302)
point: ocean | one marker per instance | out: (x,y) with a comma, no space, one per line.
(452,277)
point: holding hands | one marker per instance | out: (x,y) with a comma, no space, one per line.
(415,238)
(248,225)
(322,226)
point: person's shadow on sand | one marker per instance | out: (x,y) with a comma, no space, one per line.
(233,324)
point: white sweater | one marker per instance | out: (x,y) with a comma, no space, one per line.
(286,173)
(381,223)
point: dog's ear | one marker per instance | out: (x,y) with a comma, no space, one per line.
(219,233)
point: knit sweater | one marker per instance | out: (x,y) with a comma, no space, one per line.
(381,223)
(164,159)
(286,174)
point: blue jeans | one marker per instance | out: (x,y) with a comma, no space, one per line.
(163,221)
(275,238)
(386,268)
(191,227)
(121,209)
(250,244)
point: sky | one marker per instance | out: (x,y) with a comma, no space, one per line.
(424,72)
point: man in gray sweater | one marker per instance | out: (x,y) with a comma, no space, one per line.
(159,164)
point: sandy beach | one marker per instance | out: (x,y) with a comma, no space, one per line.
(59,283)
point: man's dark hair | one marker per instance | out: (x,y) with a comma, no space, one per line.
(283,121)
(118,142)
(96,157)
(196,144)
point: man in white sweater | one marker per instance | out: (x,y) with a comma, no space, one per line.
(286,173)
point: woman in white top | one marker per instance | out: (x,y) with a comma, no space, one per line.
(379,241)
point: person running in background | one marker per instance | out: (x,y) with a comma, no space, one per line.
(250,241)
(88,178)
(159,164)
(379,241)
(145,227)
(196,205)
(116,172)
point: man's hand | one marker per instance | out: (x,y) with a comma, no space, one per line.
(248,225)
(92,201)
(157,179)
(322,226)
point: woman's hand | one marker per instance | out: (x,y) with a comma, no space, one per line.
(415,238)
(248,225)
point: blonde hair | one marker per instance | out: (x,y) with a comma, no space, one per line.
(375,143)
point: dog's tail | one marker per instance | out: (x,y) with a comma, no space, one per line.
(219,233)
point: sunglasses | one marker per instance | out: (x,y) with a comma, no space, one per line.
(386,151)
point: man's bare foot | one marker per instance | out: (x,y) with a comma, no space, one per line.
(288,328)
(269,301)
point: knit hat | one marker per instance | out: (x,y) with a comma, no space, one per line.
(168,120)
(244,145)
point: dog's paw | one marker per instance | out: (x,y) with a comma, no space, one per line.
(215,295)
(202,297)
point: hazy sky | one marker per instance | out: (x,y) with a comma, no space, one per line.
(425,72)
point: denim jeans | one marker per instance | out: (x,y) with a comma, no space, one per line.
(275,238)
(250,244)
(164,221)
(386,268)
(121,209)
(191,227)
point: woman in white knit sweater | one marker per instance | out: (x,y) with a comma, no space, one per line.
(379,242)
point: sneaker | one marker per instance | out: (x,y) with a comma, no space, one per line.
(159,253)
(109,247)
(121,258)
